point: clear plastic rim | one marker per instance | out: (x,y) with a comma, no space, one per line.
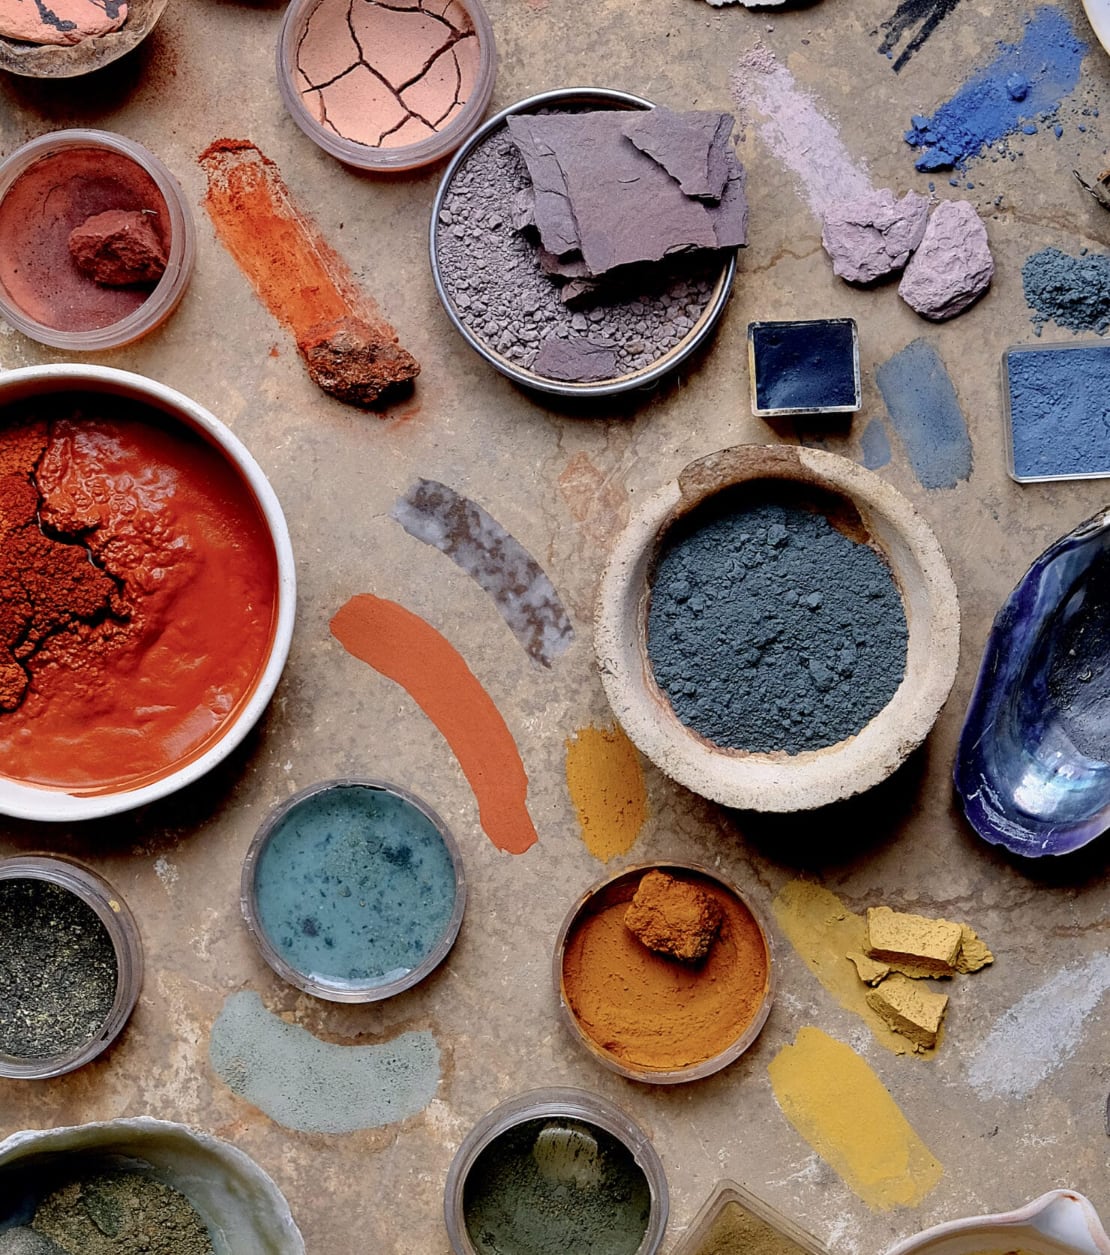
(25,801)
(647,375)
(556,1102)
(114,913)
(386,160)
(169,289)
(693,1071)
(248,898)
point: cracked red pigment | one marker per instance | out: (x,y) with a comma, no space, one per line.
(387,74)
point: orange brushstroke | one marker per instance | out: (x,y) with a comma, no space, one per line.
(409,651)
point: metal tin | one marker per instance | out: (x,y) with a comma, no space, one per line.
(556,1102)
(647,375)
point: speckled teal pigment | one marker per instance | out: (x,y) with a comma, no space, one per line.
(355,886)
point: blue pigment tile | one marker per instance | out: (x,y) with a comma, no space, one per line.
(1059,403)
(804,367)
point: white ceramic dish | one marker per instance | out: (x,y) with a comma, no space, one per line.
(54,805)
(1098,14)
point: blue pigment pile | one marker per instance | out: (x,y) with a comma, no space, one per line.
(355,886)
(1073,292)
(1021,87)
(1060,410)
(769,629)
(805,366)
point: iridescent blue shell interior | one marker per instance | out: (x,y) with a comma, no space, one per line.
(1033,765)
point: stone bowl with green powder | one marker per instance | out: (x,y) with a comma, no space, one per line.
(139,1185)
(777,628)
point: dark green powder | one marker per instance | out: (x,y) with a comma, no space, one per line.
(556,1187)
(58,970)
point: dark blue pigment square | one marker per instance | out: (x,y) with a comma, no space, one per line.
(807,367)
(1059,410)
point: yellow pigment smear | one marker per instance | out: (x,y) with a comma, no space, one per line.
(824,932)
(606,784)
(842,1109)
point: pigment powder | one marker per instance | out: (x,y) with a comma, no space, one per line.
(355,886)
(769,629)
(50,199)
(138,594)
(738,1231)
(1072,292)
(551,1187)
(121,1212)
(58,970)
(1059,410)
(648,1011)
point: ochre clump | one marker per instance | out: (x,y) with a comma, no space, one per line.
(913,944)
(910,1009)
(119,248)
(357,361)
(673,917)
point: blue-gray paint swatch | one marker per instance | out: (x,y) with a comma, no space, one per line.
(1060,410)
(355,886)
(316,1086)
(926,414)
(874,445)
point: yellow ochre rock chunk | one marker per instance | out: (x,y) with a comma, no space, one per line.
(973,952)
(870,971)
(913,944)
(673,917)
(909,1009)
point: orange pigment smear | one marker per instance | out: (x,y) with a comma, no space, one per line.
(409,651)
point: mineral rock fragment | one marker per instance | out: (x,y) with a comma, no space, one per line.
(953,264)
(119,248)
(913,944)
(692,146)
(910,1009)
(576,361)
(873,235)
(974,953)
(673,917)
(357,362)
(60,21)
(870,971)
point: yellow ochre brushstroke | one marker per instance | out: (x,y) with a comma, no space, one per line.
(834,1100)
(606,784)
(823,932)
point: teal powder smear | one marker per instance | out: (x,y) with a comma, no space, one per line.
(926,414)
(355,886)
(556,1187)
(1022,86)
(314,1086)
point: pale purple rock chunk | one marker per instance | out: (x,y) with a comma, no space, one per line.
(576,361)
(952,266)
(691,146)
(872,236)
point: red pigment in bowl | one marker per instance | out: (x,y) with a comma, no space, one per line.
(138,594)
(44,204)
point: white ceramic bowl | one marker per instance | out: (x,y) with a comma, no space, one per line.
(54,805)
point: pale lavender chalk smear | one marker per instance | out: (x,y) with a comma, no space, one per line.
(796,131)
(474,540)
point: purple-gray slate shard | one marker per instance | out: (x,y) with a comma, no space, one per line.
(475,541)
(551,211)
(692,146)
(575,360)
(952,266)
(872,236)
(730,217)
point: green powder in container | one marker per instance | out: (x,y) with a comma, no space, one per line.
(553,1187)
(737,1231)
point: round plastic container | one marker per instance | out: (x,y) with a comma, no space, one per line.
(619,888)
(37,157)
(556,1103)
(114,914)
(321,985)
(568,98)
(383,160)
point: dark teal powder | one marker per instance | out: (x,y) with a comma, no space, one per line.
(769,629)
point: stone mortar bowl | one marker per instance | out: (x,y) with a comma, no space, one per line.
(244,1210)
(70,60)
(863,506)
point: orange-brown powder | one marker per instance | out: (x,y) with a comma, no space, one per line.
(654,1013)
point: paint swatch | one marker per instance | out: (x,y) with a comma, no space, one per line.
(404,648)
(796,131)
(1024,84)
(926,414)
(837,1103)
(874,445)
(316,1086)
(349,349)
(918,18)
(606,785)
(475,541)
(598,503)
(1040,1032)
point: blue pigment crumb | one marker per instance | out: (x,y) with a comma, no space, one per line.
(768,629)
(874,445)
(804,366)
(1060,410)
(1073,292)
(1024,84)
(355,886)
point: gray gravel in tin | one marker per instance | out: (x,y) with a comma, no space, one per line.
(491,275)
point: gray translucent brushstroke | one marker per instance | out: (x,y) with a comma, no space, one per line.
(476,542)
